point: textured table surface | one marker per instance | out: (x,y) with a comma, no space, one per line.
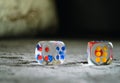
(18,65)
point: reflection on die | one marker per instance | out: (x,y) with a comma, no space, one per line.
(99,52)
(50,52)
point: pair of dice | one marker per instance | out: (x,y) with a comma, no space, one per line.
(54,52)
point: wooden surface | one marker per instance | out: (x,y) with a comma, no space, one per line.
(18,65)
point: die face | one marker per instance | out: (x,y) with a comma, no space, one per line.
(38,53)
(100,53)
(51,52)
(61,51)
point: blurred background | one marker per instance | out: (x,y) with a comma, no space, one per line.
(59,18)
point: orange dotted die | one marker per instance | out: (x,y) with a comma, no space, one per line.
(99,52)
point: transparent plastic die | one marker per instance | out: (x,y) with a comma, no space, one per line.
(50,52)
(99,52)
